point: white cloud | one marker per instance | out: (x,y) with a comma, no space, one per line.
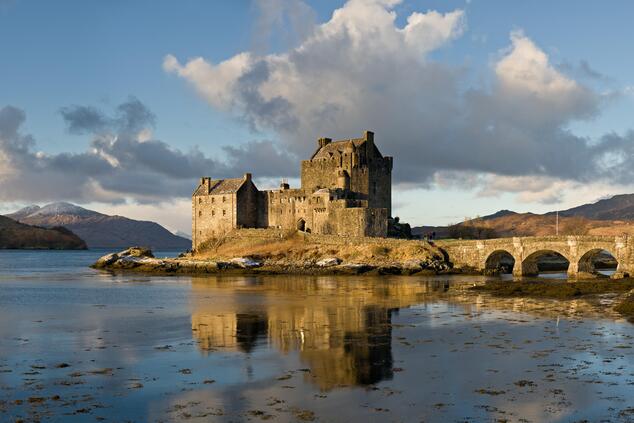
(526,76)
(426,32)
(214,82)
(346,62)
(528,189)
(360,70)
(122,164)
(527,68)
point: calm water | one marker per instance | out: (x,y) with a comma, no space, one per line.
(82,345)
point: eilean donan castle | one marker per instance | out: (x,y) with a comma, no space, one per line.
(346,189)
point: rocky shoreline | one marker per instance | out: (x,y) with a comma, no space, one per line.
(142,260)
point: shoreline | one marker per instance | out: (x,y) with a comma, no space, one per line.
(141,260)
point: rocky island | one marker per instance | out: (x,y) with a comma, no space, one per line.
(268,251)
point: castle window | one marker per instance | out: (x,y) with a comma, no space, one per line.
(224,212)
(200,200)
(200,213)
(223,198)
(213,212)
(212,200)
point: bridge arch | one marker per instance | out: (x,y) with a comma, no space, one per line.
(499,261)
(530,263)
(588,261)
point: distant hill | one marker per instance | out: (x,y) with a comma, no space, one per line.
(100,230)
(14,235)
(183,235)
(611,216)
(619,207)
(501,213)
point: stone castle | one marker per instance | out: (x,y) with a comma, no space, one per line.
(346,189)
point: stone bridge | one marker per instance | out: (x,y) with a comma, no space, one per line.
(580,251)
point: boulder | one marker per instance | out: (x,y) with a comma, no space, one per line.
(390,269)
(245,262)
(137,252)
(412,266)
(106,260)
(328,262)
(126,259)
(354,268)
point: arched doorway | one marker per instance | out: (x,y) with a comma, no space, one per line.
(547,264)
(499,262)
(301,225)
(597,262)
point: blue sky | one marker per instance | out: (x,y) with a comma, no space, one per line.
(100,54)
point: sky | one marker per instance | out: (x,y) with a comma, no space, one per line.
(120,106)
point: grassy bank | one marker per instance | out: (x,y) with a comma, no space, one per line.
(295,247)
(564,290)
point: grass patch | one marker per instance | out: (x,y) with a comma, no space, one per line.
(555,289)
(380,250)
(295,247)
(626,308)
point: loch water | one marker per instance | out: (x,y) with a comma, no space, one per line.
(77,345)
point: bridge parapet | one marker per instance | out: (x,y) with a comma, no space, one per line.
(578,250)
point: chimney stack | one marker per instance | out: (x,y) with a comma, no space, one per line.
(204,181)
(247,176)
(368,136)
(324,142)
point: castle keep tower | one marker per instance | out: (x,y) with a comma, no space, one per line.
(359,161)
(346,189)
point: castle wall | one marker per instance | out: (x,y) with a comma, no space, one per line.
(319,174)
(286,207)
(380,184)
(213,216)
(263,210)
(360,222)
(247,205)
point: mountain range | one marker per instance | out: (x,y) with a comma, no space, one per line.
(100,230)
(609,216)
(15,235)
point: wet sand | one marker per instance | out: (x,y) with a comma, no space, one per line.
(81,345)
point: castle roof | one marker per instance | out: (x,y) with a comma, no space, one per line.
(221,186)
(337,147)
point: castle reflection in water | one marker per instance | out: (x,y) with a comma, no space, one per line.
(340,327)
(342,330)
